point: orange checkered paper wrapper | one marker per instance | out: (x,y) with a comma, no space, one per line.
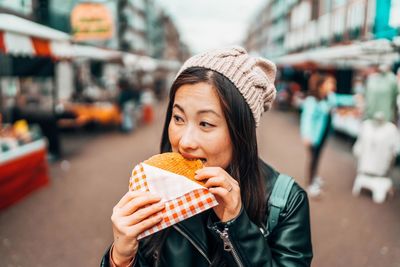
(183,198)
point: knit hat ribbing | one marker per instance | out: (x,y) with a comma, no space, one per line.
(254,77)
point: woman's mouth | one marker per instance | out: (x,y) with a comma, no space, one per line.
(191,157)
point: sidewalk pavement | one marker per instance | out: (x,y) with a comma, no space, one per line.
(68,222)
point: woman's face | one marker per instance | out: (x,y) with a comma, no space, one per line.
(328,86)
(198,129)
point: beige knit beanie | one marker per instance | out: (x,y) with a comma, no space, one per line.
(254,77)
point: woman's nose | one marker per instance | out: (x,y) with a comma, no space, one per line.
(188,139)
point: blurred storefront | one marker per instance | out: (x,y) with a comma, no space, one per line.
(50,72)
(344,38)
(28,58)
(66,75)
(30,53)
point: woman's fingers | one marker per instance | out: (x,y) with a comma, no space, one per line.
(208,172)
(139,228)
(138,203)
(216,177)
(221,182)
(145,216)
(144,213)
(134,213)
(225,189)
(128,196)
(219,191)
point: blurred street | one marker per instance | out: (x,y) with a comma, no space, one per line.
(83,88)
(68,223)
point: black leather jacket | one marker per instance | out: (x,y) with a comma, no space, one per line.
(189,242)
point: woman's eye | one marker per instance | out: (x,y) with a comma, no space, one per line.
(206,124)
(177,118)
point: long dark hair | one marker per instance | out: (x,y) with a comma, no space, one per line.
(244,166)
(315,83)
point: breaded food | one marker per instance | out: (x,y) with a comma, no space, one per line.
(176,163)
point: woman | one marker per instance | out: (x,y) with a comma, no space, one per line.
(315,123)
(216,102)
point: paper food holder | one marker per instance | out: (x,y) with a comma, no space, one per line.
(183,197)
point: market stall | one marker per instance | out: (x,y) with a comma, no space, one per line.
(358,54)
(347,120)
(346,62)
(23,169)
(101,113)
(29,54)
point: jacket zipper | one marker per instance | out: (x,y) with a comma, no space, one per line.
(193,243)
(228,244)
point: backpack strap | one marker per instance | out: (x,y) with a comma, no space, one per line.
(277,200)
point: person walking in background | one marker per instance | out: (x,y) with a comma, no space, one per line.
(398,96)
(127,98)
(215,105)
(315,124)
(381,93)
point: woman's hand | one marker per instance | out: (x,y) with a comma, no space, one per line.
(307,142)
(136,212)
(225,189)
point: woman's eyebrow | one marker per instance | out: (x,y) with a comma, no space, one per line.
(198,112)
(208,111)
(178,107)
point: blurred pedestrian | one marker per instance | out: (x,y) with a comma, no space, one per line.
(216,102)
(381,93)
(398,97)
(128,97)
(315,124)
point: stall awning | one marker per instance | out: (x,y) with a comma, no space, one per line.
(23,37)
(358,54)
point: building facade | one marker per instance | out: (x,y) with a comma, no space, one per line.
(20,8)
(145,29)
(289,26)
(141,27)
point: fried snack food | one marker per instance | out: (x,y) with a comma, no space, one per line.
(176,163)
(171,177)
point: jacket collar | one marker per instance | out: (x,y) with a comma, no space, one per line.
(195,228)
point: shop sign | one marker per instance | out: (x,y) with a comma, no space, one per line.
(91,21)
